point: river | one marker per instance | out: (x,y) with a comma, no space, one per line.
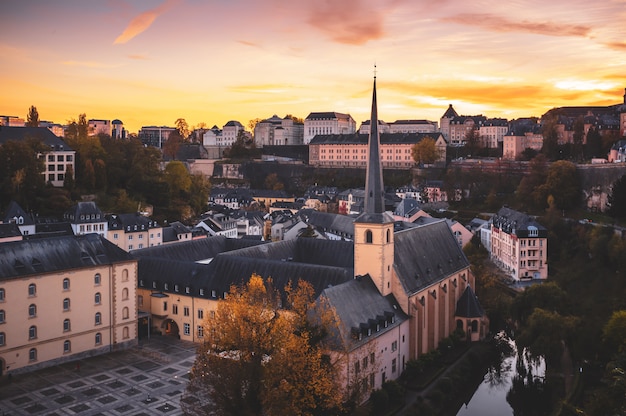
(490,398)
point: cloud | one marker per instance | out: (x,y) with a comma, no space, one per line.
(138,57)
(248,43)
(89,64)
(620,46)
(352,22)
(503,24)
(142,22)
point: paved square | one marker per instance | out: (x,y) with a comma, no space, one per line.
(146,380)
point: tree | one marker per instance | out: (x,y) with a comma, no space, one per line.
(32,118)
(273,183)
(21,171)
(563,184)
(550,134)
(183,128)
(594,143)
(199,193)
(614,332)
(529,193)
(472,141)
(177,176)
(425,151)
(579,136)
(295,119)
(252,123)
(617,199)
(172,144)
(259,359)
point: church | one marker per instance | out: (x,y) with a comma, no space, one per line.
(397,290)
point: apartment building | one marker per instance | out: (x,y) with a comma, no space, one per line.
(133,231)
(519,245)
(327,123)
(154,136)
(64,298)
(492,132)
(86,218)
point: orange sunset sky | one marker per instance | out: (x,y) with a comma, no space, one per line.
(151,62)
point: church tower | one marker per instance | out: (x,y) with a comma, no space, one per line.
(373,229)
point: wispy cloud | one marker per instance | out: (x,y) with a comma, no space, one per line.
(620,46)
(503,24)
(89,64)
(142,22)
(249,43)
(138,57)
(352,22)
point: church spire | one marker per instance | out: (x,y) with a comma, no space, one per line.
(374,189)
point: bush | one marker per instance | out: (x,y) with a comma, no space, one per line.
(394,391)
(380,401)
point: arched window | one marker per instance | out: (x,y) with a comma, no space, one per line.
(2,339)
(66,304)
(459,324)
(97,279)
(98,338)
(67,346)
(474,325)
(98,320)
(66,325)
(32,332)
(32,289)
(125,275)
(32,354)
(369,237)
(66,284)
(97,298)
(32,310)
(125,294)
(125,332)
(125,313)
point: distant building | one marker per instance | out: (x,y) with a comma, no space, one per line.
(133,231)
(492,132)
(117,129)
(15,214)
(12,121)
(519,245)
(64,298)
(230,132)
(349,150)
(97,126)
(86,218)
(524,133)
(276,131)
(154,135)
(445,120)
(57,159)
(461,126)
(617,154)
(327,123)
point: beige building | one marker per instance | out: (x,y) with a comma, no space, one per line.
(86,218)
(133,231)
(325,123)
(276,131)
(64,298)
(351,150)
(519,245)
(514,145)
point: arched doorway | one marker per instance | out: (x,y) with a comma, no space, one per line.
(170,328)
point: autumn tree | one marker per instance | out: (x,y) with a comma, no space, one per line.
(273,183)
(177,176)
(472,141)
(252,123)
(199,193)
(259,358)
(172,144)
(425,151)
(32,118)
(183,128)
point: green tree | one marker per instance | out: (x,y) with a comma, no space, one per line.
(425,151)
(178,178)
(614,332)
(32,118)
(550,134)
(21,171)
(594,143)
(617,199)
(579,136)
(172,144)
(563,184)
(199,193)
(529,193)
(273,183)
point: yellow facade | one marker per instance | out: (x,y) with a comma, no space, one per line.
(55,317)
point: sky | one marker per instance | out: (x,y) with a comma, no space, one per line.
(210,61)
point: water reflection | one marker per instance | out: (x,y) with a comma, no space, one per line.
(513,385)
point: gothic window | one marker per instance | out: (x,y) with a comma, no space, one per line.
(368,237)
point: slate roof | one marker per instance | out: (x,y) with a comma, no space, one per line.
(407,207)
(49,255)
(517,223)
(328,115)
(9,230)
(84,212)
(127,222)
(14,210)
(424,255)
(320,262)
(468,305)
(40,133)
(359,307)
(450,113)
(333,223)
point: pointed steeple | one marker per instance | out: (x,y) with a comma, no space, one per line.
(374,188)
